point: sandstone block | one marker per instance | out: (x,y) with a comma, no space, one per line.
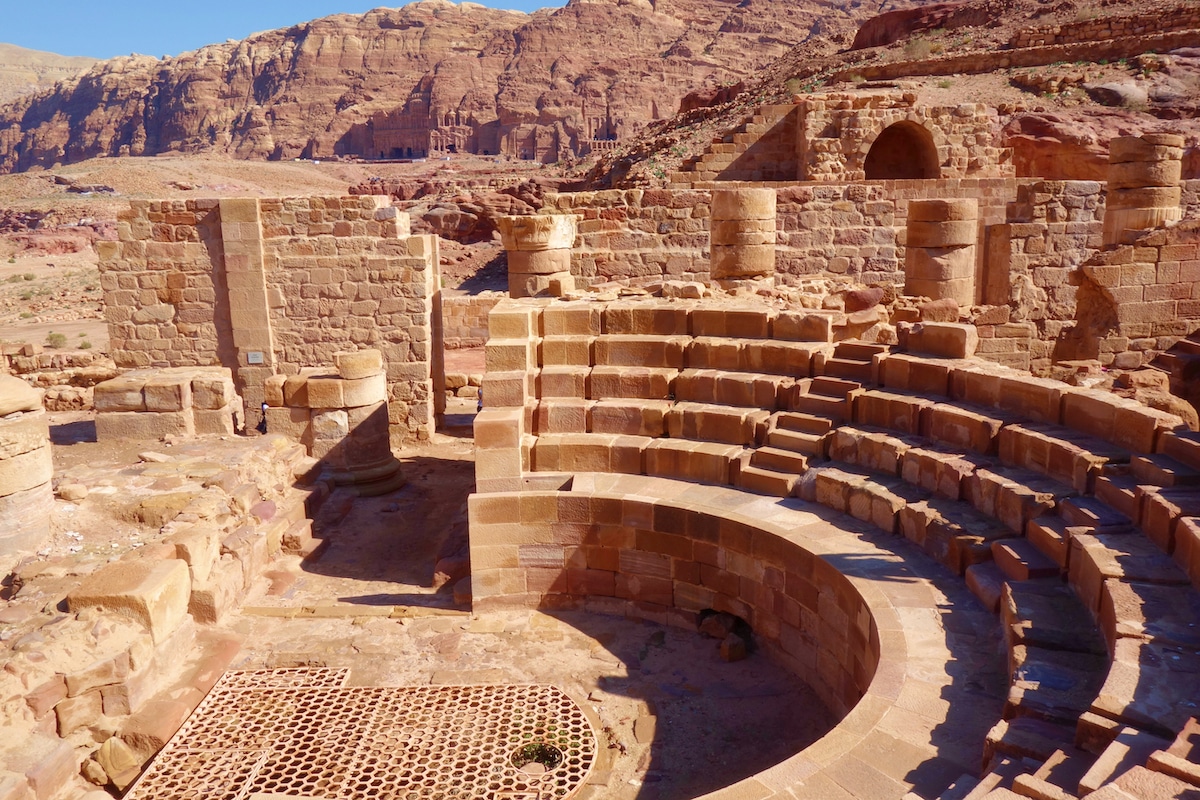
(1125,149)
(214,597)
(943,339)
(952,233)
(77,712)
(571,319)
(1145,197)
(357,364)
(539,232)
(1136,174)
(359,392)
(120,394)
(115,425)
(23,434)
(273,390)
(168,393)
(153,593)
(939,263)
(961,290)
(325,391)
(97,674)
(47,762)
(513,321)
(329,424)
(507,389)
(24,522)
(199,547)
(26,471)
(958,209)
(17,395)
(567,350)
(507,355)
(220,422)
(291,422)
(734,204)
(742,261)
(539,262)
(801,326)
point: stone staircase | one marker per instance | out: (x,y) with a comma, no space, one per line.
(762,148)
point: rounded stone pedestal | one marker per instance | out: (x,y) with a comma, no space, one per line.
(1143,185)
(742,234)
(539,253)
(26,495)
(939,261)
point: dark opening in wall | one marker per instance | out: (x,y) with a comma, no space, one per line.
(903,151)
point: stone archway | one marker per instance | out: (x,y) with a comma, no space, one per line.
(903,151)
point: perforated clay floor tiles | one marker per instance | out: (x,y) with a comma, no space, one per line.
(304,733)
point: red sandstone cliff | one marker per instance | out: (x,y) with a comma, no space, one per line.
(428,76)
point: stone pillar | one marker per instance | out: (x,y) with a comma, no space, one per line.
(26,497)
(249,311)
(349,419)
(939,260)
(1143,184)
(539,253)
(742,234)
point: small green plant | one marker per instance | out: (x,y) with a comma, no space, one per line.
(945,83)
(28,276)
(917,49)
(26,295)
(26,315)
(82,335)
(12,259)
(793,85)
(856,79)
(56,341)
(85,344)
(13,279)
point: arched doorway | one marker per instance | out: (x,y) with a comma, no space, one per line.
(903,151)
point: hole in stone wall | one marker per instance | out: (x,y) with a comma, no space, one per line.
(903,151)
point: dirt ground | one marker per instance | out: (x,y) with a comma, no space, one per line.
(673,720)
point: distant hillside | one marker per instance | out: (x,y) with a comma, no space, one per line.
(431,76)
(25,71)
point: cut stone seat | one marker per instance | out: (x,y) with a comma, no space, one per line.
(942,472)
(589,452)
(1120,492)
(698,462)
(1151,685)
(1020,560)
(850,369)
(1046,613)
(1096,558)
(650,383)
(561,381)
(767,356)
(628,416)
(780,460)
(1161,512)
(766,480)
(1027,737)
(714,423)
(963,426)
(826,397)
(1183,446)
(566,351)
(746,389)
(1162,470)
(1051,535)
(871,450)
(1053,685)
(1013,496)
(1162,612)
(870,497)
(1082,511)
(562,415)
(890,410)
(951,531)
(640,351)
(1062,453)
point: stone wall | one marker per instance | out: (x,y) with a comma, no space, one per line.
(275,285)
(837,132)
(465,318)
(855,230)
(1053,228)
(1153,18)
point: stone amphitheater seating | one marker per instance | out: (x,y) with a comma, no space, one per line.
(1072,514)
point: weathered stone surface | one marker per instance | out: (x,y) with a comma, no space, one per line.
(356,364)
(17,395)
(154,593)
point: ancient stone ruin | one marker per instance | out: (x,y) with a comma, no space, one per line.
(848,420)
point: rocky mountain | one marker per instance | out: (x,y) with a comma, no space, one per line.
(25,71)
(429,77)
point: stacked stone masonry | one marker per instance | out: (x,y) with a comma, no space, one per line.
(341,417)
(274,285)
(173,401)
(105,677)
(26,470)
(1151,18)
(1015,483)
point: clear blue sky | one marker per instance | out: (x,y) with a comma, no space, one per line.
(168,27)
